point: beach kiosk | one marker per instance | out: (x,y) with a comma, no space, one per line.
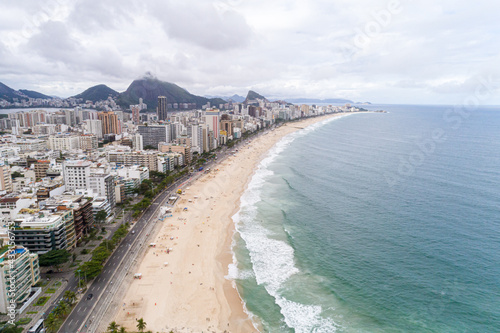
(138,276)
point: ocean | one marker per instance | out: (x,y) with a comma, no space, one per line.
(376,222)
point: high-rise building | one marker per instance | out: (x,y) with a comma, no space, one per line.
(5,178)
(137,142)
(110,122)
(76,174)
(196,134)
(19,265)
(41,167)
(94,126)
(135,113)
(212,118)
(161,110)
(153,135)
(104,186)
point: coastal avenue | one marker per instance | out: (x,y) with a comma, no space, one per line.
(80,316)
(87,314)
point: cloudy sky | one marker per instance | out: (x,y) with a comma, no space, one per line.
(390,51)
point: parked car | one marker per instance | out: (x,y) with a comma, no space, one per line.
(89,296)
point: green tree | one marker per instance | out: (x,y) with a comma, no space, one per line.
(16,174)
(61,309)
(12,329)
(100,254)
(113,327)
(51,323)
(54,258)
(122,330)
(141,325)
(101,215)
(70,297)
(90,269)
(145,186)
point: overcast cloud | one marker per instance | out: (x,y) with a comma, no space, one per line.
(394,51)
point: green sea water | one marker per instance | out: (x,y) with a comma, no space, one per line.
(375,223)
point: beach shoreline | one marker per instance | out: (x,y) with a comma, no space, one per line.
(191,293)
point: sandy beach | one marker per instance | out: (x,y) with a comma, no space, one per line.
(191,293)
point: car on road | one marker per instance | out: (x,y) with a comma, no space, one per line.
(89,296)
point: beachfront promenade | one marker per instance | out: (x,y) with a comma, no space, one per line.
(199,297)
(85,316)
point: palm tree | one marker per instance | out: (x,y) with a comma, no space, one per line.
(141,325)
(51,323)
(122,330)
(62,309)
(70,296)
(113,327)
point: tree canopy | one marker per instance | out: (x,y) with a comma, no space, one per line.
(101,216)
(54,258)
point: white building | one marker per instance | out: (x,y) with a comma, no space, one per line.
(134,172)
(138,142)
(31,145)
(76,174)
(101,203)
(94,126)
(64,142)
(196,138)
(19,271)
(103,185)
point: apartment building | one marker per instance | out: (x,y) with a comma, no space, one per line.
(76,174)
(147,159)
(43,231)
(19,271)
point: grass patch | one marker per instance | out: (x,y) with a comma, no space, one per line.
(32,312)
(42,283)
(42,300)
(23,321)
(57,284)
(50,291)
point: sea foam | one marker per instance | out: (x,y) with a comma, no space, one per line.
(273,259)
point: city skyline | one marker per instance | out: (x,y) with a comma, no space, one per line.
(384,52)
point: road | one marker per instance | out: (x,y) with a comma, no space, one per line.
(102,285)
(87,315)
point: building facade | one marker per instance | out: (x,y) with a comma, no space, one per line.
(153,135)
(147,159)
(110,122)
(161,110)
(5,179)
(19,271)
(76,174)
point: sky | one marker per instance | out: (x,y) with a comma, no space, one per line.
(391,51)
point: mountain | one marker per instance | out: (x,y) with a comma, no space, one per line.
(252,95)
(315,100)
(149,88)
(34,94)
(236,98)
(8,93)
(100,92)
